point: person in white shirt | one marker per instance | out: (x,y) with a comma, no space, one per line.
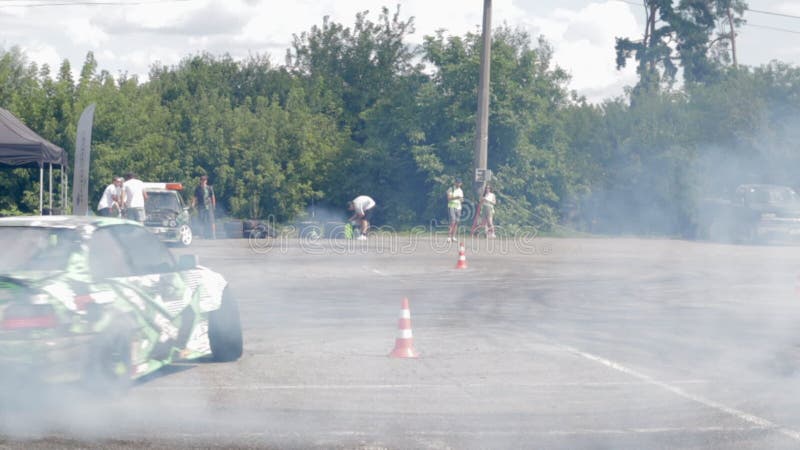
(362,213)
(110,204)
(454,198)
(488,202)
(134,197)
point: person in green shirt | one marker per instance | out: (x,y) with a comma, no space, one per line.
(454,198)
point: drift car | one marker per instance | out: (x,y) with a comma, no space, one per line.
(104,301)
(755,213)
(166,215)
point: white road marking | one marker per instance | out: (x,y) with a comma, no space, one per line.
(574,432)
(290,387)
(759,422)
(483,433)
(375,271)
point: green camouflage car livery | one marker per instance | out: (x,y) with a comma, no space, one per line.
(102,300)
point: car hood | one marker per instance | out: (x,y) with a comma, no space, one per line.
(163,211)
(778,209)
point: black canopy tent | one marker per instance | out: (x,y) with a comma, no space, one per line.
(22,147)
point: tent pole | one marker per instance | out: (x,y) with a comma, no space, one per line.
(63,193)
(41,189)
(50,186)
(66,190)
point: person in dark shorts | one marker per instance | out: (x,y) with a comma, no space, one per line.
(205,202)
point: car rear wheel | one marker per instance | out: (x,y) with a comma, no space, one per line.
(185,233)
(225,330)
(109,367)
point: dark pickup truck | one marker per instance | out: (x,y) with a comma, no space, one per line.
(756,213)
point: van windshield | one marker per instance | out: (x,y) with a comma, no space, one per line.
(162,200)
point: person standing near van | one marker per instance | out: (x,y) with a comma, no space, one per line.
(205,201)
(133,190)
(110,204)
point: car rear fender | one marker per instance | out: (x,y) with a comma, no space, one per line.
(13,288)
(208,287)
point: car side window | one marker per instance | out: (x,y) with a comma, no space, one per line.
(107,258)
(145,252)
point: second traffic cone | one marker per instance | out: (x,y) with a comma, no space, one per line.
(404,344)
(462,257)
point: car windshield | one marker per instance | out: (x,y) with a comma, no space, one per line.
(36,248)
(162,200)
(782,195)
(775,195)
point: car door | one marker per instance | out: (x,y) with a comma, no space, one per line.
(153,269)
(150,280)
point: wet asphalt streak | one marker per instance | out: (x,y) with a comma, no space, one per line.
(547,343)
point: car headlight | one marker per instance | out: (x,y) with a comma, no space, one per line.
(165,223)
(173,223)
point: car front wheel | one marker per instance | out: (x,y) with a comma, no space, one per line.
(185,233)
(225,330)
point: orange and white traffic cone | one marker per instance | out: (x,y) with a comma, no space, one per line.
(462,257)
(404,344)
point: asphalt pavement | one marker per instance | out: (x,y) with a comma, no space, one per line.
(539,343)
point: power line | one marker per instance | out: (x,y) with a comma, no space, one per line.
(773,13)
(748,24)
(767,27)
(758,11)
(87,3)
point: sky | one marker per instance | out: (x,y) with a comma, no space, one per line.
(129,36)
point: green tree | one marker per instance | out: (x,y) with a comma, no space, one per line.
(686,35)
(364,77)
(527,144)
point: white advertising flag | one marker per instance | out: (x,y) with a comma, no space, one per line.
(80,180)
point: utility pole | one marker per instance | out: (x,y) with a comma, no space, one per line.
(733,36)
(482,128)
(482,135)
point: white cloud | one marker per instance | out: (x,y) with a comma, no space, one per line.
(138,62)
(106,55)
(160,15)
(583,42)
(42,53)
(81,31)
(131,38)
(786,8)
